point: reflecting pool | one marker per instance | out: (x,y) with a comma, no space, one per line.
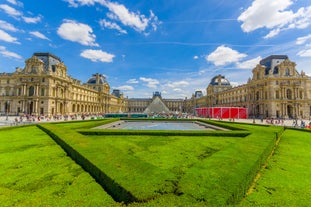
(159,125)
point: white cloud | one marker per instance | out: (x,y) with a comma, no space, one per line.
(77,32)
(150,82)
(4,52)
(32,20)
(177,90)
(195,57)
(302,40)
(249,64)
(118,12)
(126,88)
(224,55)
(111,25)
(304,53)
(274,15)
(177,84)
(17,3)
(272,33)
(97,55)
(10,10)
(132,81)
(7,38)
(39,35)
(7,26)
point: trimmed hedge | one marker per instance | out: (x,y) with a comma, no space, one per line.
(112,167)
(115,190)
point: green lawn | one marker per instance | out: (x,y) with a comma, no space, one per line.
(152,170)
(286,180)
(35,171)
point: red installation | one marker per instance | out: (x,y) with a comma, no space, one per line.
(222,112)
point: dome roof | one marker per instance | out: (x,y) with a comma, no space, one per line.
(101,79)
(219,80)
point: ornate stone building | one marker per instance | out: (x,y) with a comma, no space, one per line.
(275,90)
(43,87)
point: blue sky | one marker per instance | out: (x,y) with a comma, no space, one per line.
(172,46)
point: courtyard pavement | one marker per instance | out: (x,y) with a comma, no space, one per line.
(15,120)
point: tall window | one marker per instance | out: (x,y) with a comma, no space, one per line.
(31,91)
(42,91)
(289,94)
(257,95)
(277,94)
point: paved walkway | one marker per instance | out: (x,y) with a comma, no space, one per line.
(11,121)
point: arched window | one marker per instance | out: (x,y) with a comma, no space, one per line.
(289,94)
(31,91)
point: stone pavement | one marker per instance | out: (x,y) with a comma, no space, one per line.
(11,121)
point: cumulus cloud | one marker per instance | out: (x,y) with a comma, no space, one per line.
(39,35)
(304,53)
(118,12)
(77,32)
(132,81)
(126,88)
(5,53)
(224,55)
(302,40)
(274,15)
(249,64)
(97,55)
(111,25)
(195,57)
(7,26)
(7,37)
(150,82)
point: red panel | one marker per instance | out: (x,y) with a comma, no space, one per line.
(216,112)
(243,113)
(234,113)
(225,112)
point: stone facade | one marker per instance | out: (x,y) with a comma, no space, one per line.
(276,90)
(43,87)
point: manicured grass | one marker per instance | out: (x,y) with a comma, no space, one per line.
(34,171)
(153,170)
(286,180)
(191,168)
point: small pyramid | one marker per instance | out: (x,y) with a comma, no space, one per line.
(156,106)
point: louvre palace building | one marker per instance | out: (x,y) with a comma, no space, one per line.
(43,87)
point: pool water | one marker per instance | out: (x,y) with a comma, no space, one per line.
(159,125)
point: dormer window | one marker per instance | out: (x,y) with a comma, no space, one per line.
(287,72)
